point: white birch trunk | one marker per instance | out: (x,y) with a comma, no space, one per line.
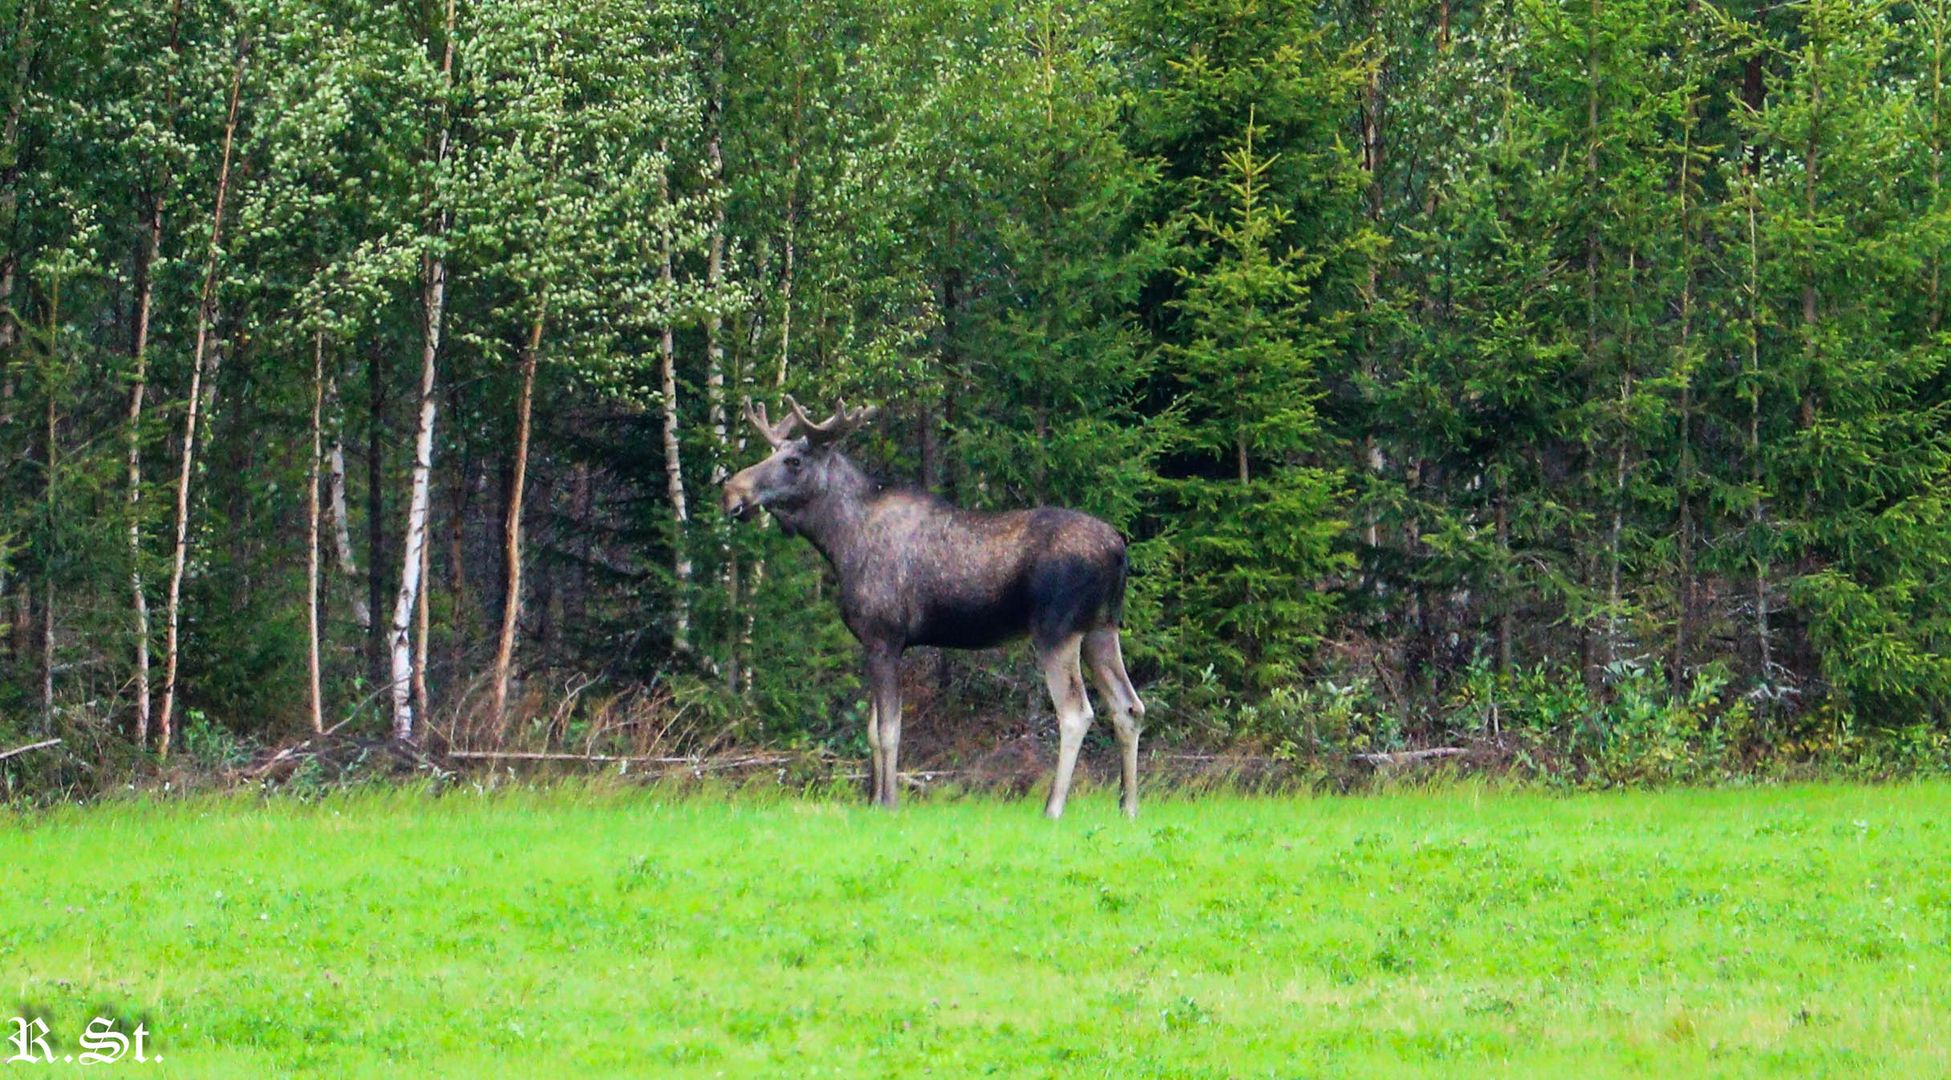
(335,480)
(206,315)
(715,373)
(673,455)
(401,650)
(312,516)
(138,390)
(420,618)
(434,303)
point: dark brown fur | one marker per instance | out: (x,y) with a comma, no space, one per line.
(915,570)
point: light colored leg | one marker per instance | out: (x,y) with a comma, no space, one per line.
(891,755)
(1107,663)
(1066,685)
(874,745)
(884,675)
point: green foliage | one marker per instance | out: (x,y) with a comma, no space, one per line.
(1251,575)
(1641,731)
(1478,356)
(210,745)
(1318,721)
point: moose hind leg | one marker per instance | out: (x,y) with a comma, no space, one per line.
(1105,656)
(1066,685)
(884,679)
(874,745)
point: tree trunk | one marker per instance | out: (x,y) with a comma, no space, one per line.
(1371,119)
(51,433)
(715,360)
(1616,535)
(1757,513)
(312,517)
(1592,258)
(420,630)
(401,673)
(375,512)
(1506,620)
(206,315)
(335,490)
(511,605)
(47,656)
(145,286)
(673,455)
(9,266)
(434,307)
(1371,122)
(1685,479)
(1754,91)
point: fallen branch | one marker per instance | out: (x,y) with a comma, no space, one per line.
(697,763)
(42,745)
(1408,757)
(290,753)
(919,781)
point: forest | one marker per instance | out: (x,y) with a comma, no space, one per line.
(1563,376)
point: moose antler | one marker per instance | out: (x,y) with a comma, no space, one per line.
(775,434)
(834,428)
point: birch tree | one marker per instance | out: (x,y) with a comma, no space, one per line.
(433,305)
(194,401)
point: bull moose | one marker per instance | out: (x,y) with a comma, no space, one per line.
(916,570)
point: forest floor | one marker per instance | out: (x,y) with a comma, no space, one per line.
(601,930)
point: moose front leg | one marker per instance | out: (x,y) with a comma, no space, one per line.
(874,740)
(884,682)
(1066,686)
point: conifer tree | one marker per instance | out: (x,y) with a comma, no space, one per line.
(1254,572)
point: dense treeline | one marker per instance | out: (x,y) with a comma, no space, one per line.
(1571,368)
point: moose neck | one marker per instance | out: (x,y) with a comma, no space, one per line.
(833,520)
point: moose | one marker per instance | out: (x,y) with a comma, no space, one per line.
(915,570)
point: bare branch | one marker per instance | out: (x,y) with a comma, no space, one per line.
(1405,757)
(42,745)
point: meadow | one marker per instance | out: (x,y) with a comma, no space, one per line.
(582,930)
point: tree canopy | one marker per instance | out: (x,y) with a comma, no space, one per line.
(1429,355)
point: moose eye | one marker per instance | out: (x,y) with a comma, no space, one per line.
(794,462)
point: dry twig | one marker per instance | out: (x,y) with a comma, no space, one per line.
(42,745)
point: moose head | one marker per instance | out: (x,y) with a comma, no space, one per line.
(804,463)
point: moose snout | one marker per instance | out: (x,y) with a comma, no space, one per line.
(738,500)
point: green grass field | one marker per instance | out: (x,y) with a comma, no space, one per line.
(1793,931)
